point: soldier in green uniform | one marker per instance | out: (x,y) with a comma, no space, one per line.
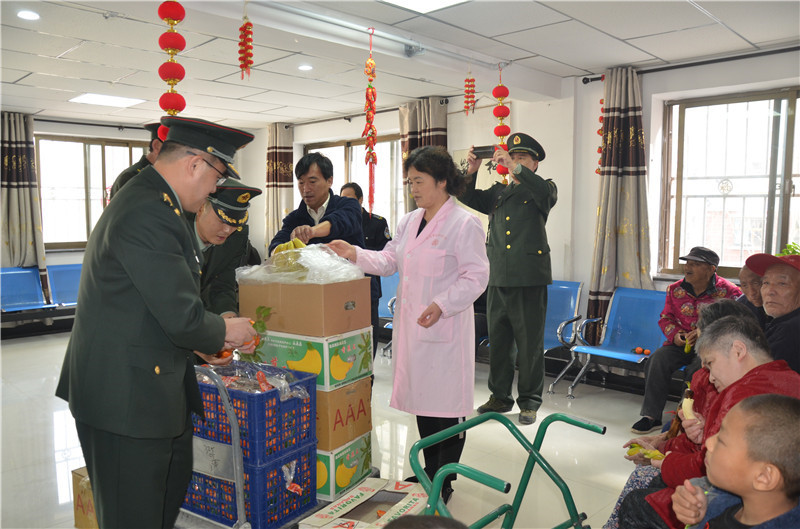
(145,161)
(519,259)
(222,233)
(128,372)
(376,235)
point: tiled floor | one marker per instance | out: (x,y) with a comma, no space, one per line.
(40,447)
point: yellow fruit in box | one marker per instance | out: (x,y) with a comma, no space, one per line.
(339,367)
(322,474)
(310,363)
(344,475)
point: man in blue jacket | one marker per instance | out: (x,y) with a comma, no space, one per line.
(322,216)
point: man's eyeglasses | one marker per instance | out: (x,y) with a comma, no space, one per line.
(222,176)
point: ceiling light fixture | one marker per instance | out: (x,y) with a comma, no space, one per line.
(106,101)
(26,14)
(305,67)
(424,6)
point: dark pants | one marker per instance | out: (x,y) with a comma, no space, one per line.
(517,315)
(636,513)
(137,482)
(665,361)
(448,451)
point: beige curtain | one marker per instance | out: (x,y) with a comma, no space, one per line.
(280,177)
(422,122)
(622,242)
(23,240)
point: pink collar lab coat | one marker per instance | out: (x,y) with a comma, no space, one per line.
(434,368)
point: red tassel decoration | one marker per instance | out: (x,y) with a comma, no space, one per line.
(370,132)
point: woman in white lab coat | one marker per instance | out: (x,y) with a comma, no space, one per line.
(440,255)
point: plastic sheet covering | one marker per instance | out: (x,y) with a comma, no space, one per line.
(316,264)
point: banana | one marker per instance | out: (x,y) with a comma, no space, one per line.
(687,404)
(310,363)
(322,474)
(344,475)
(649,454)
(339,368)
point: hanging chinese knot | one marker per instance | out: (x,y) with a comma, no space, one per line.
(246,45)
(171,72)
(469,94)
(500,92)
(370,131)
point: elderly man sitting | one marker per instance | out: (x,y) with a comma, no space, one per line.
(700,286)
(780,292)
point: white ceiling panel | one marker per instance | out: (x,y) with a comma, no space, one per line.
(627,20)
(683,45)
(511,17)
(226,51)
(9,75)
(28,41)
(576,44)
(543,64)
(377,11)
(767,22)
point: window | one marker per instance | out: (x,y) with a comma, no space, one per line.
(348,166)
(75,177)
(730,163)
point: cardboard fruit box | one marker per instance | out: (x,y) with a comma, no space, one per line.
(337,360)
(371,505)
(82,500)
(309,309)
(342,469)
(344,414)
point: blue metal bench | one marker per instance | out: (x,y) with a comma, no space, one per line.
(386,306)
(631,321)
(64,281)
(21,289)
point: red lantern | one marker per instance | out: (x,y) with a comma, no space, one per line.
(171,72)
(171,12)
(172,103)
(171,42)
(500,91)
(501,111)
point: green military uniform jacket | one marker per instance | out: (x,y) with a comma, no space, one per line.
(129,367)
(519,254)
(218,288)
(129,173)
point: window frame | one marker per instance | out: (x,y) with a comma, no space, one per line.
(87,142)
(669,233)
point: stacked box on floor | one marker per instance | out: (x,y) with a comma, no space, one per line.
(278,447)
(331,337)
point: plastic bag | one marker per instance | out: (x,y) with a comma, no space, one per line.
(316,264)
(257,378)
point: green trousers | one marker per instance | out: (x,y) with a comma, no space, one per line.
(137,483)
(516,315)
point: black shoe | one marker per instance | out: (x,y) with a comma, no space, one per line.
(646,425)
(446,493)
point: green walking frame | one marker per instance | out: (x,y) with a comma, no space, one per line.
(510,511)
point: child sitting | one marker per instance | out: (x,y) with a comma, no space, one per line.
(753,463)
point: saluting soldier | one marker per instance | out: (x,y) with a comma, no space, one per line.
(145,161)
(128,373)
(376,235)
(519,259)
